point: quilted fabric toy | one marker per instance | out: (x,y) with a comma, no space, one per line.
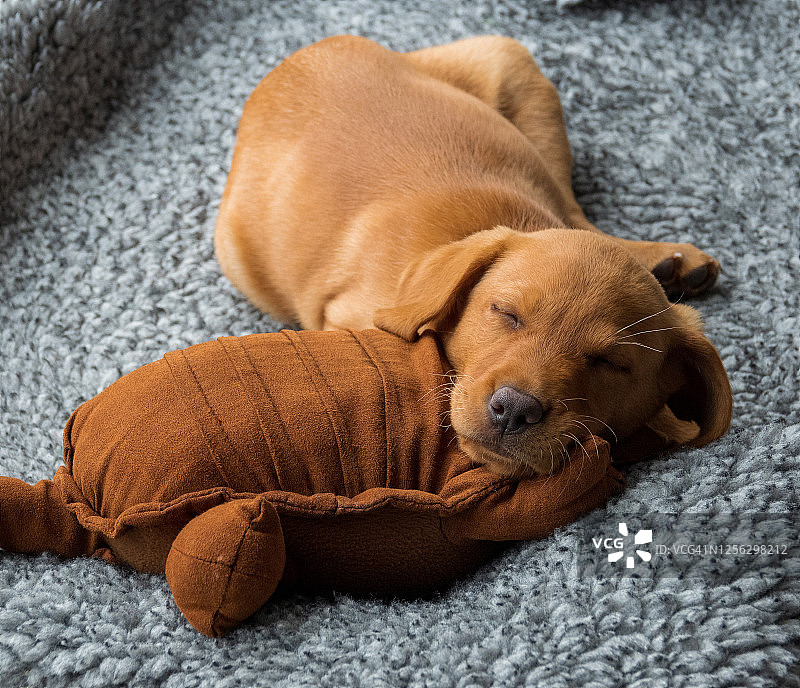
(306,458)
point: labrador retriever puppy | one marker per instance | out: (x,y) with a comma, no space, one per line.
(432,190)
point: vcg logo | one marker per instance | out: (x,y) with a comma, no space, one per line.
(623,542)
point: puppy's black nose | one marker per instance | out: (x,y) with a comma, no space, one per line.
(512,411)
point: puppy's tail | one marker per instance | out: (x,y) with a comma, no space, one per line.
(35,518)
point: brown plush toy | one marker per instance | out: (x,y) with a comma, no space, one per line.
(307,458)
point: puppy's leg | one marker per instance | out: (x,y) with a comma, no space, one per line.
(501,72)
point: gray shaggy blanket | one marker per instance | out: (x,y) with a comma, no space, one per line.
(117,123)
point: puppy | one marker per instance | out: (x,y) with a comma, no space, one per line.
(432,190)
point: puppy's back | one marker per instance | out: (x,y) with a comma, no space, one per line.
(351,163)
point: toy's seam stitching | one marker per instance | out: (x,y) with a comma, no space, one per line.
(286,439)
(306,358)
(213,415)
(230,576)
(191,404)
(384,383)
(256,413)
(399,499)
(214,562)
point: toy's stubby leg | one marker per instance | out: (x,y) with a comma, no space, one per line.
(34,518)
(226,563)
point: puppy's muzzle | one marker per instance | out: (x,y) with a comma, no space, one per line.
(512,412)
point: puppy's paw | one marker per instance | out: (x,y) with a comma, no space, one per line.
(685,270)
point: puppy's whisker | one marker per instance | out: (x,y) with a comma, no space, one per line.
(589,458)
(437,389)
(443,384)
(572,422)
(563,401)
(660,329)
(644,346)
(580,472)
(578,442)
(647,317)
(583,415)
(547,474)
(453,377)
(597,451)
(583,425)
(566,461)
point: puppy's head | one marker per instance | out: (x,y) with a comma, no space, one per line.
(556,335)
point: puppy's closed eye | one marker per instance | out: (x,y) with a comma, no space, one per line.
(603,362)
(508,315)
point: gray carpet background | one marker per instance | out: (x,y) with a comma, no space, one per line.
(117,123)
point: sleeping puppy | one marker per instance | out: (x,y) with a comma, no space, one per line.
(432,190)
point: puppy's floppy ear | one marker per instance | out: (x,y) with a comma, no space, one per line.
(433,290)
(700,403)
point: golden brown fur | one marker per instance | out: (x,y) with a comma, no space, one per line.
(433,189)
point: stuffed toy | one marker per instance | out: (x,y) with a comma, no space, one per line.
(313,459)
